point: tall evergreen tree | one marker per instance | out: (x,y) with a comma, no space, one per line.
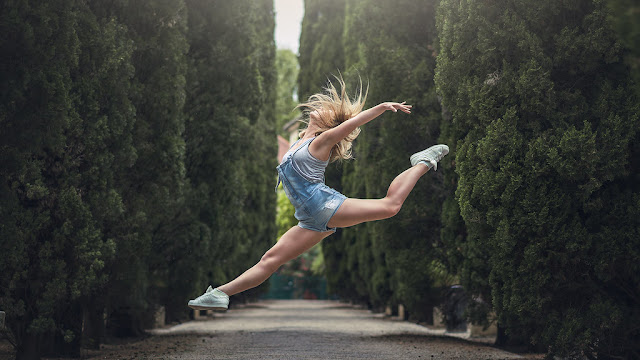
(320,59)
(321,51)
(230,134)
(357,259)
(155,253)
(625,17)
(103,145)
(260,156)
(288,69)
(394,50)
(96,211)
(546,123)
(158,184)
(63,145)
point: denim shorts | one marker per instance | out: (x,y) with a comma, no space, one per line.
(315,203)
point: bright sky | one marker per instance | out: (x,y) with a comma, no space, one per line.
(288,20)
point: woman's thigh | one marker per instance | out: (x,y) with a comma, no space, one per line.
(356,211)
(295,242)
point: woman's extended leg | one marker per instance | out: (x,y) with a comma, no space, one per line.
(293,243)
(356,211)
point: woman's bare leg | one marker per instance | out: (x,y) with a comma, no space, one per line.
(293,243)
(356,211)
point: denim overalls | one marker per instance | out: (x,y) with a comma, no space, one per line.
(315,202)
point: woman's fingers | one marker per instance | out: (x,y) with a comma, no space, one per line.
(402,106)
(406,108)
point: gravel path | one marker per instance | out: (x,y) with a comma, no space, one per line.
(298,316)
(299,329)
(303,329)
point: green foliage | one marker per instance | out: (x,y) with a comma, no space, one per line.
(155,193)
(396,56)
(284,213)
(625,18)
(230,134)
(321,57)
(288,69)
(545,121)
(376,262)
(321,54)
(98,215)
(61,143)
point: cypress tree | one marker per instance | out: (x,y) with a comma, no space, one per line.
(261,153)
(394,257)
(287,69)
(625,18)
(96,211)
(467,259)
(321,51)
(59,143)
(231,147)
(322,57)
(154,254)
(158,182)
(104,142)
(545,118)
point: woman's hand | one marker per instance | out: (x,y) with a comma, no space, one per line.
(394,106)
(325,141)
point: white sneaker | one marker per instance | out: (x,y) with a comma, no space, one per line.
(430,156)
(212,299)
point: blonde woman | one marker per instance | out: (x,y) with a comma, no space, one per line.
(334,122)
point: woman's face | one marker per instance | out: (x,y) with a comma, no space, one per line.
(314,115)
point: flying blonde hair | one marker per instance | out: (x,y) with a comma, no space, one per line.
(334,109)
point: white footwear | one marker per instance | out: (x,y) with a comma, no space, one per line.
(212,299)
(430,156)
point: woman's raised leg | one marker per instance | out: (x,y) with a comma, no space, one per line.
(356,211)
(293,243)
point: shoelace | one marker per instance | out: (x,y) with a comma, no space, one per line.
(434,162)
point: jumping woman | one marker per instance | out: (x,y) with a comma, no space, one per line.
(333,124)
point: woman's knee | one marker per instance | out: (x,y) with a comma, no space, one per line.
(270,262)
(392,209)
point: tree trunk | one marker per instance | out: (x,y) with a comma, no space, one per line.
(93,329)
(67,339)
(29,349)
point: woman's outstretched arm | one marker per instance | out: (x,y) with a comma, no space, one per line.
(333,136)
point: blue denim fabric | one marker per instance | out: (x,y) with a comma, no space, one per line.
(315,203)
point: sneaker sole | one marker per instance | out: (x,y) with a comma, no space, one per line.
(199,307)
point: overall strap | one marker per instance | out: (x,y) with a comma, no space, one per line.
(299,147)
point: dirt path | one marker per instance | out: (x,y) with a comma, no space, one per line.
(292,329)
(310,330)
